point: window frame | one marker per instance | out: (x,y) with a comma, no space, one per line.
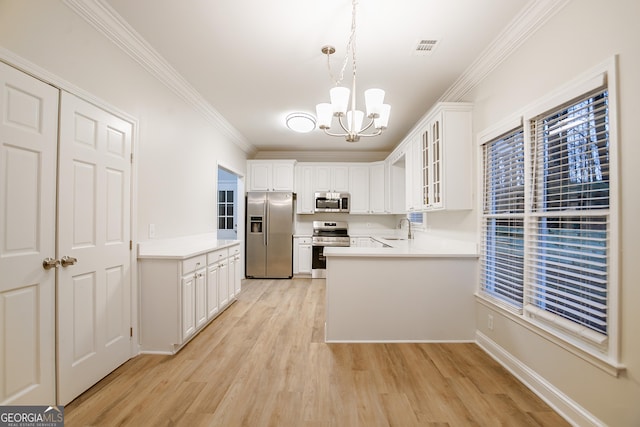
(605,356)
(225,205)
(420,226)
(489,216)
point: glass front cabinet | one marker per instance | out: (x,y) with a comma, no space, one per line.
(446,147)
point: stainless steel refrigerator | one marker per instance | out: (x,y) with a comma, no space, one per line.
(269,235)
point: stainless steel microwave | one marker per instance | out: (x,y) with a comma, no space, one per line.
(331,202)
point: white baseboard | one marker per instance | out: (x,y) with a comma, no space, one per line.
(561,403)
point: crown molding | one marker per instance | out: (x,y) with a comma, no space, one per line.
(104,19)
(322,156)
(533,16)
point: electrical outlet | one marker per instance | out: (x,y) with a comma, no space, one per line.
(490,322)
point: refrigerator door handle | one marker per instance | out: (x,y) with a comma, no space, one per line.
(266,222)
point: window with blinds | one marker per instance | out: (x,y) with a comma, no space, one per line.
(545,240)
(416,218)
(569,225)
(502,246)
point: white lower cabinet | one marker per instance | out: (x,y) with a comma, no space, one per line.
(180,297)
(194,302)
(218,267)
(302,255)
(192,283)
(212,290)
(187,288)
(235,272)
(201,298)
(304,262)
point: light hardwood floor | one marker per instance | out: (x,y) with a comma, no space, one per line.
(263,362)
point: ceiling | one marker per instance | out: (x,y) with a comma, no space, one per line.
(256,61)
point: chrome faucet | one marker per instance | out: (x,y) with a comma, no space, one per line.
(409,233)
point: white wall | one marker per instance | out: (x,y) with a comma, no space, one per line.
(590,32)
(177,149)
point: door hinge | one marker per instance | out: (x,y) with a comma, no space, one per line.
(130,332)
(130,245)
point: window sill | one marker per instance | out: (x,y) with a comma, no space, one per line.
(611,367)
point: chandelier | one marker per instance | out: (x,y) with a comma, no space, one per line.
(343,100)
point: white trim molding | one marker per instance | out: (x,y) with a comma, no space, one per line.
(560,402)
(104,19)
(535,14)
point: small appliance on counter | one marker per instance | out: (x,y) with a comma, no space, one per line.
(269,235)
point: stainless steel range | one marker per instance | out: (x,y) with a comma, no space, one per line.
(326,233)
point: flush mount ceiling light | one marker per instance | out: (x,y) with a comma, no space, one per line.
(301,122)
(341,97)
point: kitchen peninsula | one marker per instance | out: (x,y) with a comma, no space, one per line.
(407,291)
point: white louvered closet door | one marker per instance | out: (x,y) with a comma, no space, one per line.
(28,149)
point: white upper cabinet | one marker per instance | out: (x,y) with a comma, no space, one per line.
(304,189)
(271,175)
(367,184)
(331,178)
(413,166)
(446,145)
(378,188)
(359,189)
(396,180)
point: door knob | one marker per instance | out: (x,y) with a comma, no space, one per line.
(66,261)
(49,263)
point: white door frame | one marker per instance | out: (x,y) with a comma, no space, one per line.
(240,205)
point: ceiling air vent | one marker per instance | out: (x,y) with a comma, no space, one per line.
(425,47)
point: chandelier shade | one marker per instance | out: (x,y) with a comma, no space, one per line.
(383,119)
(324,115)
(339,99)
(343,99)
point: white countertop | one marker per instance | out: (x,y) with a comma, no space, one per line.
(182,247)
(425,247)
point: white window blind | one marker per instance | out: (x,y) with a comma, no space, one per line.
(502,246)
(568,227)
(416,218)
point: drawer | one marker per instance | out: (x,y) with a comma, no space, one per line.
(234,250)
(192,264)
(215,256)
(304,240)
